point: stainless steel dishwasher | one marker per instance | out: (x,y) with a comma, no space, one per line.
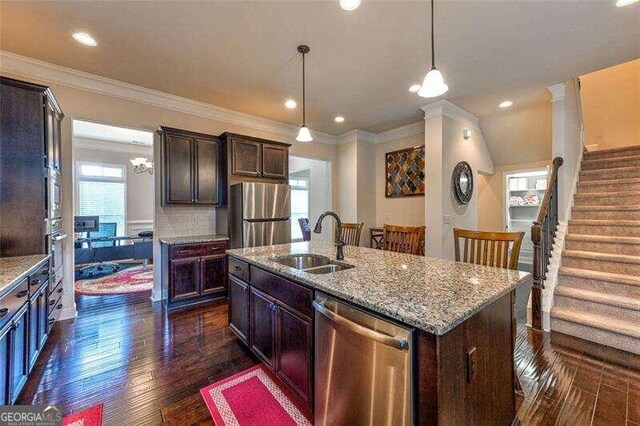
(363,367)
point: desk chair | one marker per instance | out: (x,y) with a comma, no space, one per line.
(100,258)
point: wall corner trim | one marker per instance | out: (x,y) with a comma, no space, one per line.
(452,111)
(558,91)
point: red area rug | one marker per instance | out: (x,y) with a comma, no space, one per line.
(130,280)
(92,416)
(251,397)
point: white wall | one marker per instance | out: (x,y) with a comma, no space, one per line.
(445,147)
(407,211)
(319,190)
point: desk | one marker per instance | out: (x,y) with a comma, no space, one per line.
(124,247)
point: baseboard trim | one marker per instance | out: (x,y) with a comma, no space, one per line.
(68,313)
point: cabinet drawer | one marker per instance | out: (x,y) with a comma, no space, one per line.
(13,301)
(198,250)
(239,268)
(291,294)
(39,278)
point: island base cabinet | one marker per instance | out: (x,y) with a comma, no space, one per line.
(262,326)
(293,349)
(239,308)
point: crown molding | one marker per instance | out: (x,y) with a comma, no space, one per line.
(452,111)
(558,91)
(356,135)
(48,72)
(412,129)
(111,146)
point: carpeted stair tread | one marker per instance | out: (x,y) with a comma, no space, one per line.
(610,162)
(597,321)
(610,171)
(618,152)
(605,238)
(621,181)
(625,208)
(602,276)
(604,222)
(606,257)
(598,297)
(609,194)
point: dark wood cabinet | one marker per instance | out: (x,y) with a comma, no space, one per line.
(280,324)
(30,145)
(193,273)
(185,278)
(239,308)
(258,158)
(262,315)
(190,167)
(213,273)
(5,363)
(18,353)
(294,348)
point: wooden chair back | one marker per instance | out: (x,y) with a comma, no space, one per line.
(351,233)
(403,239)
(499,249)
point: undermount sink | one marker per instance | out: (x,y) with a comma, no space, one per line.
(311,263)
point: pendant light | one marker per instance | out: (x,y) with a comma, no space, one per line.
(304,135)
(433,84)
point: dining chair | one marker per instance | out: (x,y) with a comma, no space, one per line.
(499,249)
(403,239)
(351,233)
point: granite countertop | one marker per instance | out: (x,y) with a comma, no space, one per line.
(192,239)
(431,294)
(14,268)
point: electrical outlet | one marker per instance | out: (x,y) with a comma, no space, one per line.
(386,216)
(447,219)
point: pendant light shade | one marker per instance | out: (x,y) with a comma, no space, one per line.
(304,135)
(433,84)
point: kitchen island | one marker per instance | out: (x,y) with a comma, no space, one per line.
(458,319)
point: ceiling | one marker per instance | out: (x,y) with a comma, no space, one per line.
(105,132)
(242,55)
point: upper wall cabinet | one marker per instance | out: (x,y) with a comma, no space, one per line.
(190,164)
(255,157)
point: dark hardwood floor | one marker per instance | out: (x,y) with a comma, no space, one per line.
(147,367)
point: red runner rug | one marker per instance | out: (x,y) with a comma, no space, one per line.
(250,398)
(92,416)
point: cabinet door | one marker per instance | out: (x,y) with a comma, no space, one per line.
(213,274)
(34,341)
(206,171)
(262,326)
(49,116)
(246,157)
(18,354)
(293,349)
(57,144)
(42,316)
(275,161)
(4,365)
(178,169)
(239,308)
(185,278)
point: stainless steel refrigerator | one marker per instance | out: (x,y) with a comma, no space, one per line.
(260,214)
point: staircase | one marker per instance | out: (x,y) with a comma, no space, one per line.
(597,296)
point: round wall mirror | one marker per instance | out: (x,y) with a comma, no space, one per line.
(463,182)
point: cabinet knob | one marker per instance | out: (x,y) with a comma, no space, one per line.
(237,268)
(35,282)
(22,293)
(4,312)
(59,306)
(51,321)
(52,302)
(60,290)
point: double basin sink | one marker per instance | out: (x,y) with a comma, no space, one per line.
(312,263)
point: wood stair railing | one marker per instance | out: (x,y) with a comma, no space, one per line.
(543,234)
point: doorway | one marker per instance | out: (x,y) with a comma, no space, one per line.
(113,199)
(310,182)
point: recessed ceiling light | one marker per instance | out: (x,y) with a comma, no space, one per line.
(414,88)
(339,119)
(350,4)
(505,104)
(290,103)
(623,3)
(84,38)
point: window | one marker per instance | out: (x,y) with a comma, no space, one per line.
(101,191)
(299,182)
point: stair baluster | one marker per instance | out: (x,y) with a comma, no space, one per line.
(543,233)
